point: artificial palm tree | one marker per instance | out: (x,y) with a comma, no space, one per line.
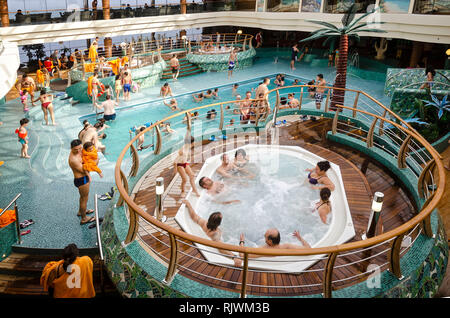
(349,29)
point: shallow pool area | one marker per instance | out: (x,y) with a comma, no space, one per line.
(46,181)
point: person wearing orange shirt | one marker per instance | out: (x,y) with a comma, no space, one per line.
(71,277)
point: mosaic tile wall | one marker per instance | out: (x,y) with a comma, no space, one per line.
(219,62)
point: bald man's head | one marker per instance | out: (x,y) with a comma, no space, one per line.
(272,237)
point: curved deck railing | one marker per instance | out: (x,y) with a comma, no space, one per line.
(365,120)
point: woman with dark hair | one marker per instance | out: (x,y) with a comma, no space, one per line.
(323,207)
(211,228)
(70,277)
(318,178)
(240,158)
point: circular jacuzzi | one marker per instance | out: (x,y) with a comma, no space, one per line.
(272,193)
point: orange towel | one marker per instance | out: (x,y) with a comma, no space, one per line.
(77,284)
(7,218)
(124,60)
(92,53)
(90,160)
(115,65)
(40,78)
(89,67)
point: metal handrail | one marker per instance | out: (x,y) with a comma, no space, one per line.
(423,215)
(11,203)
(16,212)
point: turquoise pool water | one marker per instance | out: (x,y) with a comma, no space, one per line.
(118,134)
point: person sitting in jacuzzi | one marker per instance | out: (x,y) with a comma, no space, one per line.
(240,158)
(229,170)
(323,207)
(211,228)
(318,178)
(214,188)
(273,238)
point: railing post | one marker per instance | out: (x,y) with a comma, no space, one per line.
(173,259)
(134,226)
(243,45)
(125,185)
(221,117)
(83,67)
(158,140)
(394,257)
(381,130)
(301,99)
(244,276)
(355,105)
(135,165)
(401,158)
(276,108)
(370,133)
(16,211)
(188,121)
(334,123)
(327,100)
(328,276)
(421,184)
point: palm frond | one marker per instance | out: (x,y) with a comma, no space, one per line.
(363,25)
(325,24)
(370,30)
(349,15)
(318,35)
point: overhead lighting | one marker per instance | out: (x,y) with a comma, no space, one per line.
(447,52)
(239,32)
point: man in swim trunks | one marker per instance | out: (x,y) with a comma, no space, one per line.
(232,62)
(126,82)
(81,180)
(175,66)
(320,90)
(214,188)
(262,88)
(272,238)
(108,105)
(27,84)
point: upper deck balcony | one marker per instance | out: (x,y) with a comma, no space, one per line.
(417,20)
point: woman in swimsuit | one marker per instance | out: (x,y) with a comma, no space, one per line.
(211,229)
(240,158)
(323,207)
(46,105)
(181,166)
(165,90)
(318,175)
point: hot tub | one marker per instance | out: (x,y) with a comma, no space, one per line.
(277,196)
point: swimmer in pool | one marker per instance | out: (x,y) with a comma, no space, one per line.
(173,104)
(211,228)
(214,188)
(228,169)
(273,238)
(318,178)
(323,207)
(240,158)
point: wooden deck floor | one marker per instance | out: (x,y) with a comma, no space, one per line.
(359,188)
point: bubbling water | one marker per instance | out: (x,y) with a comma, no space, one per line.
(277,197)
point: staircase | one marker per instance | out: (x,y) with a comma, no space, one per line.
(9,64)
(186,69)
(20,275)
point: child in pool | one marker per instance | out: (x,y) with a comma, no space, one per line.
(22,132)
(24,100)
(90,158)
